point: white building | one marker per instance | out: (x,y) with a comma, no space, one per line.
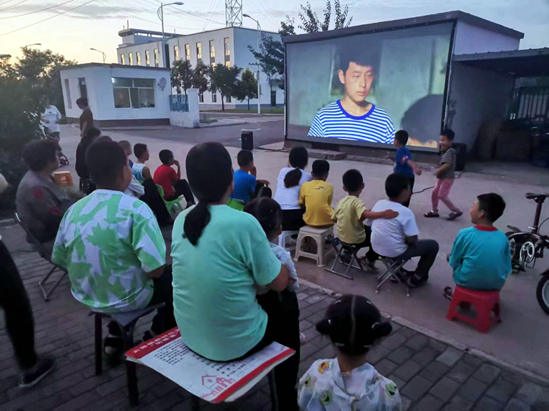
(227,46)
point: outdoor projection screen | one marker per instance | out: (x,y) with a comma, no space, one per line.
(359,89)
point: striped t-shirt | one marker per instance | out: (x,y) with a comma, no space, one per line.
(333,121)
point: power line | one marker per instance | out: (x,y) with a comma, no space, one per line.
(49,18)
(36,11)
(13,5)
(4,2)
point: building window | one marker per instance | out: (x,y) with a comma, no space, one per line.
(214,97)
(147,58)
(137,58)
(68,93)
(227,49)
(212,51)
(82,86)
(273,98)
(133,92)
(122,59)
(176,53)
(228,64)
(213,66)
(199,51)
(187,51)
(201,98)
(130,59)
(228,99)
(156,57)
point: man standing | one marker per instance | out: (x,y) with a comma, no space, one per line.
(50,118)
(86,118)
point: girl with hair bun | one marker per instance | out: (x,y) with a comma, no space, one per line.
(349,382)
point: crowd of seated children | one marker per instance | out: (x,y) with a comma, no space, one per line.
(170,180)
(445,174)
(288,185)
(316,196)
(350,214)
(86,184)
(220,255)
(140,170)
(398,238)
(403,160)
(113,248)
(349,381)
(481,255)
(39,201)
(246,184)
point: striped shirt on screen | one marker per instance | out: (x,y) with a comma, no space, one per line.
(333,121)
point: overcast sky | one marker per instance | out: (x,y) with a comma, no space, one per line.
(96,23)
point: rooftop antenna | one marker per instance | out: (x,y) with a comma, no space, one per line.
(233,13)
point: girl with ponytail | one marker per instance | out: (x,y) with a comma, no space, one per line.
(220,255)
(349,382)
(288,184)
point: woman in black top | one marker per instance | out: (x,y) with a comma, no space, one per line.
(86,184)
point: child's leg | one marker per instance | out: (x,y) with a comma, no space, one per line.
(444,191)
(435,197)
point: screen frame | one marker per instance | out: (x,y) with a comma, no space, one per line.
(313,37)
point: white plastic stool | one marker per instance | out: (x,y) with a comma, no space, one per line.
(282,239)
(319,234)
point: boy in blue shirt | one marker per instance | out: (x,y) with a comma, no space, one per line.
(403,161)
(246,186)
(481,256)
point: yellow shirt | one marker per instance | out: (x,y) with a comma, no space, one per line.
(347,214)
(316,196)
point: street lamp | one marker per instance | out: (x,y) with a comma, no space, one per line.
(160,14)
(104,55)
(5,56)
(258,50)
(33,44)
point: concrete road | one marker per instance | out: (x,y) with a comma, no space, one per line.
(521,338)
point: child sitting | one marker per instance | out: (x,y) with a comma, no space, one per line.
(246,186)
(127,149)
(170,180)
(349,382)
(481,256)
(403,160)
(351,212)
(140,171)
(316,196)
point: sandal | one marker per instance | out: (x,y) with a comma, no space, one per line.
(431,214)
(448,293)
(454,215)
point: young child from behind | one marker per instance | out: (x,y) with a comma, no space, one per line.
(403,160)
(348,382)
(481,256)
(245,179)
(445,175)
(140,170)
(127,149)
(351,212)
(316,196)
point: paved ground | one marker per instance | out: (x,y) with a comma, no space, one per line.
(431,375)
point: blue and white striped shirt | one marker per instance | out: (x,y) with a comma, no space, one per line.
(333,121)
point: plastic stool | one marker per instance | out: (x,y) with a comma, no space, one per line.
(319,234)
(484,302)
(282,239)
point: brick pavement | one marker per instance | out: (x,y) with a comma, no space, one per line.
(430,375)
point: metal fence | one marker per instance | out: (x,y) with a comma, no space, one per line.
(530,105)
(179,102)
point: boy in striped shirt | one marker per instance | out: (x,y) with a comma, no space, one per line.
(352,117)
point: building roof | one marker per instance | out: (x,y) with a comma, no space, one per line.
(410,22)
(131,32)
(113,65)
(520,63)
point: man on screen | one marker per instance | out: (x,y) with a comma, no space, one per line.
(352,117)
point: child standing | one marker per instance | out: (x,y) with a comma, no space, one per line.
(403,160)
(445,175)
(481,256)
(245,179)
(351,212)
(316,196)
(348,382)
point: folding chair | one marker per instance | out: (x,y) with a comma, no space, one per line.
(45,255)
(171,203)
(394,267)
(353,250)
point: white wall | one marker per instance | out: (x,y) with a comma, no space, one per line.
(140,48)
(479,96)
(187,119)
(472,39)
(101,97)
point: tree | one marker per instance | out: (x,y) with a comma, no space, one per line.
(182,75)
(200,79)
(246,87)
(225,81)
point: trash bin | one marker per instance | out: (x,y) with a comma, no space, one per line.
(247,139)
(461,155)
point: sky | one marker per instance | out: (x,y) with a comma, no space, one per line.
(72,27)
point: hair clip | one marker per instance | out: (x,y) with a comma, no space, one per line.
(374,325)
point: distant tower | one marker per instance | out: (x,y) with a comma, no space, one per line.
(233,13)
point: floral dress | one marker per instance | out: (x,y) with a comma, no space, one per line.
(325,387)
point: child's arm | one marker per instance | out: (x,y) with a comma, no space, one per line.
(146,173)
(456,255)
(372,215)
(441,169)
(416,169)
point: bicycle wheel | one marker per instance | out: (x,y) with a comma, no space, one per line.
(542,292)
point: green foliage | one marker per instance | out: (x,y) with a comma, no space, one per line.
(246,87)
(182,76)
(200,79)
(225,81)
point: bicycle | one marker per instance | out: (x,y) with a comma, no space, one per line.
(528,246)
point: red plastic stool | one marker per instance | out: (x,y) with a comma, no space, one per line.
(484,301)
